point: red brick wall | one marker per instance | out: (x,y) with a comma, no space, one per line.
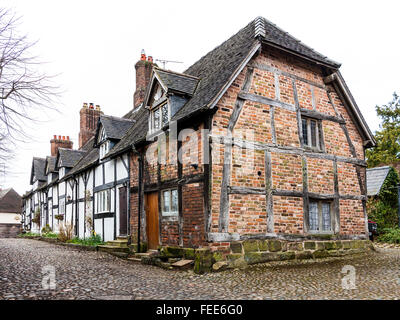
(193,215)
(287,171)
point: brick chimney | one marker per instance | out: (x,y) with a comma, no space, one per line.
(143,73)
(59,142)
(89,116)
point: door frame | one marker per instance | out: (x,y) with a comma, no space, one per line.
(126,210)
(157,218)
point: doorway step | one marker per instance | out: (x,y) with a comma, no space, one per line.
(117,247)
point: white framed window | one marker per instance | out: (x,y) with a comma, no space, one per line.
(61,206)
(320,218)
(169,204)
(104,149)
(312,133)
(61,172)
(103,201)
(159,117)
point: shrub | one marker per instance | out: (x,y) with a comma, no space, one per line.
(50,235)
(59,217)
(382,209)
(36,217)
(94,240)
(46,229)
(65,232)
(390,235)
(28,234)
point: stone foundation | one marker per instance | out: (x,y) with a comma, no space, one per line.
(241,254)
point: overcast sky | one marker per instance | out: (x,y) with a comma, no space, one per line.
(93,46)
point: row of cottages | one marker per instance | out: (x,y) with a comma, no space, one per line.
(261,138)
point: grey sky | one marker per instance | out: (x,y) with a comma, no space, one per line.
(94,45)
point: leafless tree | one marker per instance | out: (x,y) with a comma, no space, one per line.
(23,88)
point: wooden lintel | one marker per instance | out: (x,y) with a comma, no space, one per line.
(264,100)
(321,116)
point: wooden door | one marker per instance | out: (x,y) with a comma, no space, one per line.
(123,212)
(152,220)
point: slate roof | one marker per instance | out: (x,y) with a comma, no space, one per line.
(90,159)
(38,168)
(51,163)
(69,157)
(177,82)
(10,201)
(214,70)
(135,134)
(375,179)
(115,127)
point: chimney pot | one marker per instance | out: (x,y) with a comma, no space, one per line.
(85,105)
(61,142)
(150,58)
(143,55)
(97,107)
(91,106)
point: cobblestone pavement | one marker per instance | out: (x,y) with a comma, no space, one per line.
(94,275)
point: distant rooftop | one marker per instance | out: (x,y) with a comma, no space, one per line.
(375,179)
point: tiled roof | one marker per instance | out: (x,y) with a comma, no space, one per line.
(51,163)
(69,157)
(115,127)
(177,82)
(38,168)
(10,201)
(375,179)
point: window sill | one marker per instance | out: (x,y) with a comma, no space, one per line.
(313,149)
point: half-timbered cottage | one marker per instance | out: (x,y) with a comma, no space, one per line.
(271,144)
(259,139)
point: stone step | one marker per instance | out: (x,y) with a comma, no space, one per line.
(107,248)
(133,259)
(150,253)
(122,238)
(182,264)
(118,243)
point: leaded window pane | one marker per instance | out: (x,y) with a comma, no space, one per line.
(326,217)
(157,119)
(305,134)
(164,110)
(166,202)
(174,201)
(313,216)
(313,133)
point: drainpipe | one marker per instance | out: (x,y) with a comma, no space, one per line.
(76,207)
(140,200)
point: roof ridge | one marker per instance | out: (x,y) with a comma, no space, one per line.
(117,118)
(260,23)
(73,150)
(380,168)
(177,73)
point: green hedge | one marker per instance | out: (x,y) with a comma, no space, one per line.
(390,235)
(383,208)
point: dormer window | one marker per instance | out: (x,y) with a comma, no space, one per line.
(104,149)
(102,135)
(62,172)
(159,117)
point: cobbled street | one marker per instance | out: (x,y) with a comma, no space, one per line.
(95,275)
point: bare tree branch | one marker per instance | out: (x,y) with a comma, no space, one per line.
(23,88)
